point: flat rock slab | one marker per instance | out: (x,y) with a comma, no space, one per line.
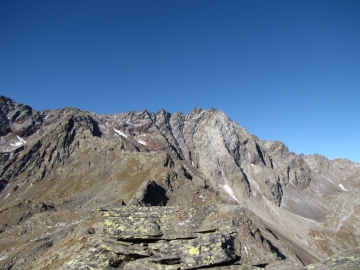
(168,223)
(164,238)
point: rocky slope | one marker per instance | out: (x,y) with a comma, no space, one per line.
(58,167)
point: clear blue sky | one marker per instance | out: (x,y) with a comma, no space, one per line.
(284,70)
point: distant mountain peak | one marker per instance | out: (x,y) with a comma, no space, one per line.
(77,161)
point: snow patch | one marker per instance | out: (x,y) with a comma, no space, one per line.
(342,187)
(3,256)
(29,187)
(75,222)
(202,197)
(7,195)
(120,133)
(142,142)
(16,144)
(230,192)
(20,142)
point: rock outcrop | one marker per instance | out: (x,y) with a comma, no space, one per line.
(173,238)
(165,237)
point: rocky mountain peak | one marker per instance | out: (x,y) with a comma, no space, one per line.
(299,207)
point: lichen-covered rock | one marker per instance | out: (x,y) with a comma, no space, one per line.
(93,259)
(136,237)
(347,259)
(164,238)
(169,222)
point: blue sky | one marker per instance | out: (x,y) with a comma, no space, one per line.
(284,70)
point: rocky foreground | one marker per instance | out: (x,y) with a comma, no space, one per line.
(179,238)
(174,192)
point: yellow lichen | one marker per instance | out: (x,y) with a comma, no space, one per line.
(194,251)
(107,222)
(121,227)
(70,262)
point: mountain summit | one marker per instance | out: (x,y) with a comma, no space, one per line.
(70,180)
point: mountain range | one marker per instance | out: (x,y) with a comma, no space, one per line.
(167,191)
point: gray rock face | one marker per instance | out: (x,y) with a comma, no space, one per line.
(219,148)
(169,238)
(80,161)
(18,118)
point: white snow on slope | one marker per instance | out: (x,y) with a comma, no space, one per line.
(19,143)
(21,139)
(3,255)
(142,142)
(16,144)
(342,187)
(230,192)
(120,133)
